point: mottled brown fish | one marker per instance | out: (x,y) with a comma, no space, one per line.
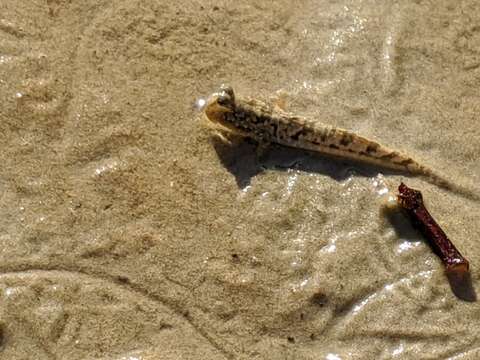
(268,124)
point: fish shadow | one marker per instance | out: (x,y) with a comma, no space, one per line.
(240,157)
(460,283)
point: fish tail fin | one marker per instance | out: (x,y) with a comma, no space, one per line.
(468,192)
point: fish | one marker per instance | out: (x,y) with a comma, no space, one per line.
(266,124)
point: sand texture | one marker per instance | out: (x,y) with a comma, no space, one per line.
(130,231)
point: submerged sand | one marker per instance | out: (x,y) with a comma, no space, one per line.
(128,231)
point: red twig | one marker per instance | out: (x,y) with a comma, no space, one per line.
(411,201)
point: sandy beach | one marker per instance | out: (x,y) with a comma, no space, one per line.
(130,231)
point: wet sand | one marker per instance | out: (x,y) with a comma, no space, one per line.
(130,231)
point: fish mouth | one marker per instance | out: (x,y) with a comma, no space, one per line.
(216,118)
(216,121)
(215,110)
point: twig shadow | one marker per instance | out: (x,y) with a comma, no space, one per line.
(240,158)
(401,225)
(462,286)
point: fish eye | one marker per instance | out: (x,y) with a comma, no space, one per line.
(224,100)
(227,89)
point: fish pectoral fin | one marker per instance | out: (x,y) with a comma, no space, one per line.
(228,137)
(262,151)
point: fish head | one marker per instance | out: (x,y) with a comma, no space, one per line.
(220,108)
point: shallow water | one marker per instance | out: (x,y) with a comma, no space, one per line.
(130,231)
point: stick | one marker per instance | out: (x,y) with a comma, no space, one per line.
(411,201)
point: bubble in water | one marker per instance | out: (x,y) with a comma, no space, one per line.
(332,356)
(200,104)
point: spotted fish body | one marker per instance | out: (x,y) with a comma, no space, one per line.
(267,124)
